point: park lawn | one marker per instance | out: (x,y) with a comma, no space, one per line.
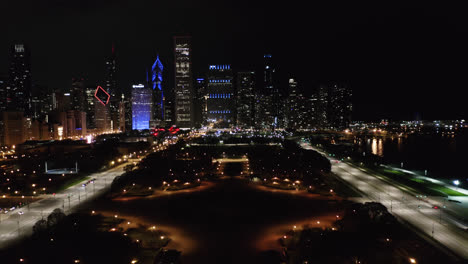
(417,180)
(446,190)
(72,181)
(397,172)
(437,187)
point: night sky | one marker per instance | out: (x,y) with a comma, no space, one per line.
(403,61)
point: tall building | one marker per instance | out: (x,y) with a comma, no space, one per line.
(90,108)
(183,92)
(322,106)
(262,114)
(141,107)
(220,91)
(293,108)
(122,115)
(78,94)
(19,85)
(272,92)
(127,103)
(200,102)
(3,93)
(41,101)
(168,103)
(245,99)
(340,106)
(157,115)
(113,90)
(13,129)
(102,118)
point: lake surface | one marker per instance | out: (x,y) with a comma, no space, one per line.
(443,156)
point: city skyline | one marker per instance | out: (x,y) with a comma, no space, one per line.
(367,53)
(253,132)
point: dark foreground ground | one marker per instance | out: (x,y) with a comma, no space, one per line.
(225,223)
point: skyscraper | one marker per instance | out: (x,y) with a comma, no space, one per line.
(322,106)
(272,92)
(3,93)
(19,86)
(122,114)
(141,107)
(220,91)
(113,90)
(245,99)
(102,116)
(340,106)
(157,115)
(78,94)
(41,101)
(293,109)
(200,102)
(90,108)
(184,114)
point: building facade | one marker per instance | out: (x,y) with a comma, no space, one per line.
(113,90)
(220,92)
(340,106)
(141,107)
(90,108)
(157,115)
(19,87)
(78,95)
(200,104)
(274,101)
(245,99)
(183,91)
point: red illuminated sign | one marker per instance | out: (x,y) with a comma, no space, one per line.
(102,94)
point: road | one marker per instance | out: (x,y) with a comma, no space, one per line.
(20,222)
(418,212)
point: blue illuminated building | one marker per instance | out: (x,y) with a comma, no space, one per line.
(220,95)
(141,107)
(157,70)
(200,102)
(157,115)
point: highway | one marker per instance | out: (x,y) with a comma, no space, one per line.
(416,211)
(18,223)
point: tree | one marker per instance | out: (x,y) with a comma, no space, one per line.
(55,217)
(40,227)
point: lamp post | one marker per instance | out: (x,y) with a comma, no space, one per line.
(19,220)
(456,183)
(432,229)
(69,206)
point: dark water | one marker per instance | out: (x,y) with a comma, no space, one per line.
(443,156)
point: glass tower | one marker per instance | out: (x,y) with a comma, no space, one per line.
(184,114)
(141,107)
(220,92)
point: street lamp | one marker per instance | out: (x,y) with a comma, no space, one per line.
(19,219)
(456,182)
